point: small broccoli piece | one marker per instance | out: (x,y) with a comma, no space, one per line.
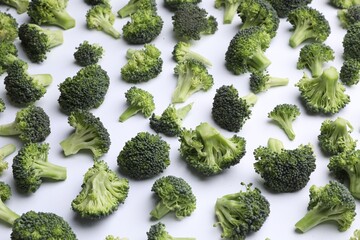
(5,192)
(241,213)
(143,64)
(86,90)
(31,124)
(5,151)
(308,23)
(96,2)
(182,52)
(30,166)
(90,134)
(332,202)
(284,7)
(87,53)
(37,41)
(8,55)
(173,5)
(356,235)
(192,77)
(350,72)
(144,156)
(323,94)
(8,27)
(158,232)
(207,151)
(50,12)
(284,115)
(2,105)
(21,6)
(262,81)
(111,237)
(190,22)
(351,43)
(135,5)
(335,137)
(344,3)
(101,18)
(284,170)
(230,9)
(349,16)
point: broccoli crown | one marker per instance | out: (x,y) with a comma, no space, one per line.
(349,16)
(86,90)
(230,9)
(190,22)
(284,115)
(90,134)
(183,52)
(5,191)
(192,77)
(351,42)
(313,56)
(246,51)
(175,195)
(5,151)
(96,2)
(101,193)
(37,41)
(142,65)
(31,123)
(144,156)
(262,81)
(8,27)
(8,55)
(332,202)
(308,23)
(206,150)
(324,94)
(284,7)
(175,4)
(2,105)
(21,6)
(241,213)
(158,232)
(335,137)
(87,53)
(344,3)
(50,12)
(350,72)
(137,5)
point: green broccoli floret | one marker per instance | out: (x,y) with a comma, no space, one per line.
(101,18)
(332,202)
(142,65)
(31,124)
(349,16)
(135,5)
(175,4)
(8,27)
(284,7)
(170,121)
(50,12)
(139,101)
(350,72)
(230,9)
(30,166)
(101,193)
(284,170)
(8,55)
(86,90)
(284,115)
(335,137)
(323,94)
(144,156)
(2,105)
(241,213)
(21,6)
(190,22)
(5,151)
(37,41)
(183,52)
(351,43)
(5,192)
(87,53)
(207,151)
(308,23)
(90,134)
(246,51)
(262,81)
(344,3)
(158,232)
(96,2)
(192,77)
(356,235)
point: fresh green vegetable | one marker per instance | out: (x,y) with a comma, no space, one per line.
(96,2)
(8,55)
(284,7)
(5,151)
(101,18)
(284,115)
(175,4)
(351,43)
(262,81)
(2,105)
(8,27)
(230,9)
(158,232)
(87,53)
(182,52)
(21,6)
(349,16)
(135,5)
(350,72)
(5,192)
(356,235)
(344,3)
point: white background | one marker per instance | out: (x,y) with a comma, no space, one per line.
(132,219)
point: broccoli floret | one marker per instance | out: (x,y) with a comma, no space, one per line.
(192,77)
(335,137)
(350,72)
(31,124)
(5,151)
(37,42)
(135,5)
(323,94)
(5,192)
(313,56)
(30,166)
(101,18)
(344,3)
(262,81)
(144,156)
(142,65)
(21,6)
(190,22)
(50,12)
(140,101)
(246,51)
(284,115)
(230,9)
(284,170)
(351,43)
(90,134)
(356,235)
(86,90)
(170,121)
(241,213)
(332,202)
(349,16)
(8,27)
(308,23)
(175,4)
(206,150)
(96,2)
(2,105)
(8,55)
(284,7)
(183,52)
(158,232)
(87,53)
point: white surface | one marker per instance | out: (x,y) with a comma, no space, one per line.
(132,218)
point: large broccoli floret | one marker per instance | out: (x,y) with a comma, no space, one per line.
(241,213)
(135,5)
(332,202)
(344,3)
(284,7)
(158,232)
(90,134)
(8,27)
(308,23)
(262,81)
(5,151)
(8,55)
(143,64)
(175,4)
(21,6)
(351,43)
(87,53)
(31,124)
(144,156)
(182,52)
(37,42)
(349,16)
(230,9)
(350,72)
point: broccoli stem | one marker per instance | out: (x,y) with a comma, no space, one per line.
(160,210)
(7,215)
(50,170)
(250,99)
(20,5)
(259,61)
(277,81)
(331,77)
(275,145)
(129,112)
(6,151)
(230,11)
(42,79)
(316,68)
(182,112)
(63,20)
(127,9)
(300,34)
(354,183)
(55,37)
(198,57)
(316,216)
(183,87)
(9,129)
(77,141)
(109,29)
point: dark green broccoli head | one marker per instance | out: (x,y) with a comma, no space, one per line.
(182,52)
(344,3)
(158,232)
(2,105)
(230,9)
(349,16)
(351,43)
(8,27)
(262,81)
(87,53)
(350,72)
(21,6)
(144,156)
(137,5)
(284,115)
(96,2)
(284,7)
(175,4)
(101,18)
(5,151)
(8,55)
(5,191)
